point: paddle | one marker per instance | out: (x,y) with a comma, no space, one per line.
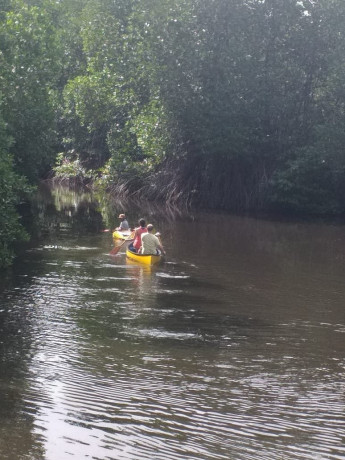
(115,250)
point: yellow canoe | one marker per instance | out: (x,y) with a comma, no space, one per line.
(143,258)
(118,235)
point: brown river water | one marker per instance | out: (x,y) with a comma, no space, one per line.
(233,348)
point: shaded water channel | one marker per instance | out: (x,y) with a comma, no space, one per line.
(232,348)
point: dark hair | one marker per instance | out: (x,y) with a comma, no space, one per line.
(142,222)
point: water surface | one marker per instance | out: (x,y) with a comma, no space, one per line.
(232,348)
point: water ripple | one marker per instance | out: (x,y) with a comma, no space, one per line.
(108,361)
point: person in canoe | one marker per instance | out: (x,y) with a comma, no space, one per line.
(150,244)
(137,235)
(123,224)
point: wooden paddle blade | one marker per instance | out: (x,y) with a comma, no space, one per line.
(115,250)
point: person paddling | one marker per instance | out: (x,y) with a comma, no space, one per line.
(124,226)
(137,235)
(150,244)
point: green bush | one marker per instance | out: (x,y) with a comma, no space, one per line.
(12,187)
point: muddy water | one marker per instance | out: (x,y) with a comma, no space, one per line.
(232,348)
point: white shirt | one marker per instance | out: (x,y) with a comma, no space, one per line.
(149,243)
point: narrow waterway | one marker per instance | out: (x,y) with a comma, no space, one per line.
(233,348)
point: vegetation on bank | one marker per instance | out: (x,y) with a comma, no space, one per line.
(12,188)
(225,104)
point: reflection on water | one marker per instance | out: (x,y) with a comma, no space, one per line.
(231,349)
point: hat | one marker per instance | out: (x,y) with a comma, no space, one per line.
(122,216)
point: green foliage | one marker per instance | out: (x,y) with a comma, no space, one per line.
(29,67)
(109,111)
(70,168)
(226,103)
(305,185)
(86,116)
(12,187)
(234,87)
(313,180)
(151,131)
(141,145)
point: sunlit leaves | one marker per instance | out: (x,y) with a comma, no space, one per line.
(147,88)
(30,57)
(152,134)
